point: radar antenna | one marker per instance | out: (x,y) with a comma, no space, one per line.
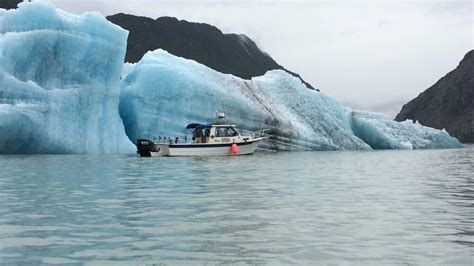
(221,115)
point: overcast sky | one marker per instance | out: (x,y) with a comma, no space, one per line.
(373,55)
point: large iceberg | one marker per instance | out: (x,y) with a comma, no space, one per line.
(162,93)
(59,82)
(61,92)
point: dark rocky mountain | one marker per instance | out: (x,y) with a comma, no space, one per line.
(9,4)
(227,53)
(448,104)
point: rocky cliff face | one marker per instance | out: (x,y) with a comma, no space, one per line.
(448,104)
(227,53)
(9,4)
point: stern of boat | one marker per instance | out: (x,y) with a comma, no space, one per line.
(147,148)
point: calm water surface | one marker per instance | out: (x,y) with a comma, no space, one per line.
(383,207)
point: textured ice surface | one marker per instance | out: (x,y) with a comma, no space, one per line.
(162,93)
(59,82)
(382,133)
(60,89)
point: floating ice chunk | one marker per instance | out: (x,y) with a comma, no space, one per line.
(382,133)
(60,87)
(162,93)
(59,82)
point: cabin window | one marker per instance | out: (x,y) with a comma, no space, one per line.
(226,132)
(233,132)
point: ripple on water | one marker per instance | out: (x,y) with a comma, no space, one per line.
(384,207)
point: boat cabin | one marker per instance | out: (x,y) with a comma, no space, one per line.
(214,133)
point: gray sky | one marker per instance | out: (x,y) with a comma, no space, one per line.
(372,55)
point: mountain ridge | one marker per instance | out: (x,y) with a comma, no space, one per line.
(228,53)
(449,103)
(9,4)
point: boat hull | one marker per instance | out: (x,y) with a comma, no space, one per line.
(245,148)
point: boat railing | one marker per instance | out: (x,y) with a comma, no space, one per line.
(175,140)
(169,140)
(260,134)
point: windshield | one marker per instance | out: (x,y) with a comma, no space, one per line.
(226,132)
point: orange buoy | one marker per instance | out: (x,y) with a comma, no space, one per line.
(234,148)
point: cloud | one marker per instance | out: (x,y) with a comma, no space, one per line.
(457,8)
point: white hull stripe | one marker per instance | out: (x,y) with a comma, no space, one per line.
(197,145)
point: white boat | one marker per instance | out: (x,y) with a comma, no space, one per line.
(207,140)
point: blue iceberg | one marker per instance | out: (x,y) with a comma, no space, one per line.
(61,92)
(162,93)
(382,133)
(59,82)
